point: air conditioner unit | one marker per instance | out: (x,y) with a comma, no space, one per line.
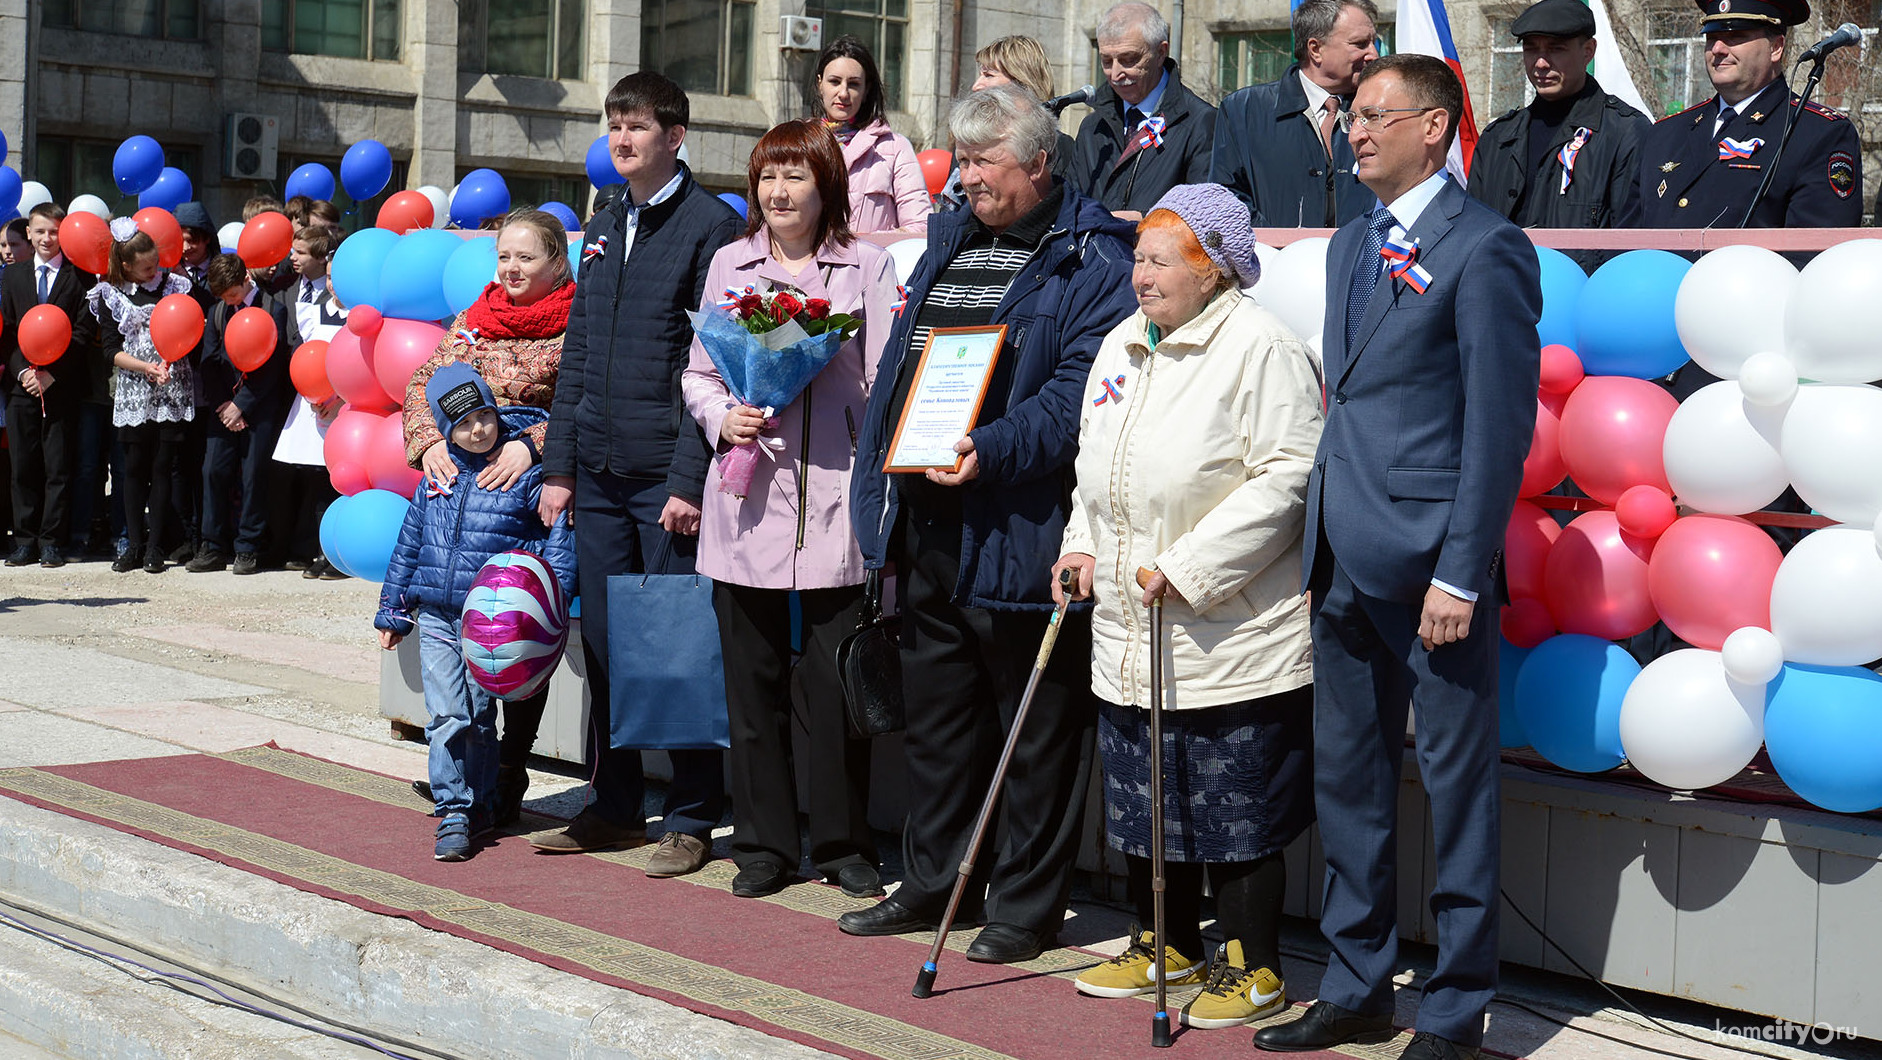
(797,33)
(251,146)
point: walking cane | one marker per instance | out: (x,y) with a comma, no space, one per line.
(924,982)
(1159,965)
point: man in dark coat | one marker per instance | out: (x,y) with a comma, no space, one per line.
(1146,132)
(1701,167)
(1279,147)
(1570,159)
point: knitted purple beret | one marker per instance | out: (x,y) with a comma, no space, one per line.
(1220,223)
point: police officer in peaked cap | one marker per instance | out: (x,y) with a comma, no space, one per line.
(1701,167)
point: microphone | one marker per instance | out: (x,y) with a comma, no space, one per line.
(1083,95)
(1846,34)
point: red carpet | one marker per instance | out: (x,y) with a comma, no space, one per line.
(777,965)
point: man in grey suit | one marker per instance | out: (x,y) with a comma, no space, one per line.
(1431,364)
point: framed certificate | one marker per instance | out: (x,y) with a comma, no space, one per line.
(944,397)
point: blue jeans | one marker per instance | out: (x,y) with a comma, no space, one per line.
(463,729)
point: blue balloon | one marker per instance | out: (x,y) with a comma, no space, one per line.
(3,144)
(468,270)
(565,214)
(1568,700)
(1823,728)
(10,185)
(137,165)
(365,169)
(411,281)
(1562,281)
(312,180)
(1624,317)
(359,532)
(736,202)
(482,193)
(357,266)
(600,163)
(1509,662)
(172,190)
(575,257)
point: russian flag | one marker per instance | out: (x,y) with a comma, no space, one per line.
(1424,29)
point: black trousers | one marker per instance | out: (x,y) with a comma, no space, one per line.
(237,468)
(186,482)
(44,442)
(150,456)
(297,498)
(964,670)
(755,635)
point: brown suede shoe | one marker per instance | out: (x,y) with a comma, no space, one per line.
(590,831)
(678,855)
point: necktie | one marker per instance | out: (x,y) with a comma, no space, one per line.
(1132,119)
(45,283)
(1366,274)
(1329,120)
(307,290)
(1726,114)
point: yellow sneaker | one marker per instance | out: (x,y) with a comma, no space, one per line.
(1129,973)
(1235,994)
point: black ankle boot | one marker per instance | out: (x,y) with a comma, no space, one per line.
(512,783)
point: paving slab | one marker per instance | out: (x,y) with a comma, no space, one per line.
(358,663)
(39,673)
(217,729)
(33,738)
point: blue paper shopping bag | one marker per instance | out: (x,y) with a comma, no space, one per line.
(666,676)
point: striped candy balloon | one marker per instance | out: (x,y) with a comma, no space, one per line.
(516,620)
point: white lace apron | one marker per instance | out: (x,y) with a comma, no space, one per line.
(136,400)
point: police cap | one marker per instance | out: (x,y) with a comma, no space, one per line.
(1723,15)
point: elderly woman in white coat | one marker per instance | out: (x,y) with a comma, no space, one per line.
(1196,436)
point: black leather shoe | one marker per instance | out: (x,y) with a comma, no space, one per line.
(207,560)
(183,552)
(423,788)
(1427,1046)
(153,563)
(760,878)
(124,564)
(246,563)
(860,880)
(1324,1026)
(887,917)
(22,556)
(1008,944)
(50,556)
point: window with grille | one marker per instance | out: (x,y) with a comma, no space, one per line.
(349,29)
(704,45)
(1509,85)
(1676,51)
(163,19)
(528,38)
(882,26)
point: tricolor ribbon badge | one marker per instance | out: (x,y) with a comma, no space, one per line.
(1150,132)
(469,335)
(1402,264)
(1730,148)
(733,294)
(1567,155)
(901,301)
(594,249)
(1112,391)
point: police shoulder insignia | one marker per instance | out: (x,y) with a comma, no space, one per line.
(1842,174)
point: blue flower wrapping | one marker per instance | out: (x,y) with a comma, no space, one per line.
(758,374)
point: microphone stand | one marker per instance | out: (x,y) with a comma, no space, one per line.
(1790,122)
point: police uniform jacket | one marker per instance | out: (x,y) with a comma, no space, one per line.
(1137,182)
(1684,183)
(1268,152)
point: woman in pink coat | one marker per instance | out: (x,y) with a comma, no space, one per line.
(886,189)
(791,529)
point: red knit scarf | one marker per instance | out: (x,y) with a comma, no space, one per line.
(494,316)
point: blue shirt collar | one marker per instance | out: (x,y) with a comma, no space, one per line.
(1151,101)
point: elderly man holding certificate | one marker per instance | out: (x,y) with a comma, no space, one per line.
(962,480)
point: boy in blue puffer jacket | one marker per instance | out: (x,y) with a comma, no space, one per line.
(448,535)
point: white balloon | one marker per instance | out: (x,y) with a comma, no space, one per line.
(1831,441)
(1295,289)
(229,235)
(440,205)
(1721,452)
(91,204)
(1687,725)
(32,193)
(1830,334)
(1752,655)
(1733,276)
(1768,378)
(1267,257)
(906,253)
(1826,602)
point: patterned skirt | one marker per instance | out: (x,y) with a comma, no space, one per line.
(1237,779)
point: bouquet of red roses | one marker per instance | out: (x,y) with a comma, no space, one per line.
(767,345)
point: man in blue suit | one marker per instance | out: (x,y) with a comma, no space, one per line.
(1431,364)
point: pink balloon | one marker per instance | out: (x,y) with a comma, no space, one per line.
(1712,574)
(1645,511)
(1526,623)
(399,349)
(1613,430)
(1543,469)
(363,320)
(349,369)
(1526,545)
(385,461)
(1595,581)
(347,444)
(1561,370)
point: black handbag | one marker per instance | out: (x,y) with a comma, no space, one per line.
(869,665)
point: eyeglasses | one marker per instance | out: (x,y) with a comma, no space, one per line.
(1373,119)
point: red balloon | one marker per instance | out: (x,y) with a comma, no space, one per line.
(265,240)
(1532,532)
(404,211)
(1645,511)
(936,166)
(347,447)
(160,225)
(250,338)
(1595,580)
(85,240)
(349,368)
(45,332)
(1613,430)
(1526,623)
(1561,370)
(176,326)
(1543,468)
(1712,574)
(364,321)
(400,348)
(385,461)
(308,370)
